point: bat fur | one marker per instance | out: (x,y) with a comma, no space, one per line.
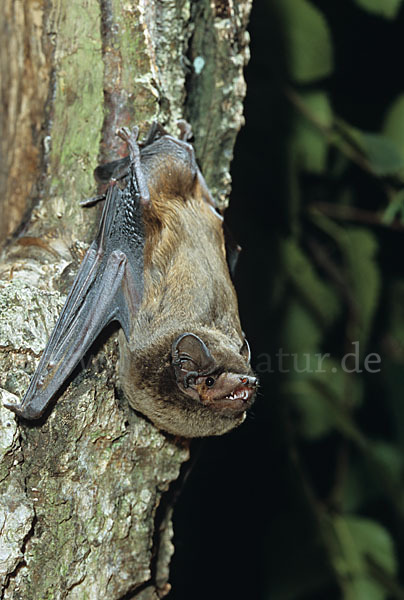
(159,266)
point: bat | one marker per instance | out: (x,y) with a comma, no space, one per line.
(159,265)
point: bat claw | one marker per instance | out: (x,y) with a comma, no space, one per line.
(92,200)
(20,411)
(128,136)
(12,406)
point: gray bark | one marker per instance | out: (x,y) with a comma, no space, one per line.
(85,510)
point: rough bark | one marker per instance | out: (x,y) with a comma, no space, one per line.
(85,508)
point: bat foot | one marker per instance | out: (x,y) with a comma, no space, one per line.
(130,137)
(185,129)
(155,132)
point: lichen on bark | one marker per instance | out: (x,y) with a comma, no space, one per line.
(84,505)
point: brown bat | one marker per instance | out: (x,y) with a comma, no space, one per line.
(158,266)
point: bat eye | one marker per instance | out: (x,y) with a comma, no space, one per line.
(209,381)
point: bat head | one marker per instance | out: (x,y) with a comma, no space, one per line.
(220,387)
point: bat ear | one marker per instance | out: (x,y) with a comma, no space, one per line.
(245,350)
(190,358)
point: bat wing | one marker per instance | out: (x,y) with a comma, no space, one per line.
(108,287)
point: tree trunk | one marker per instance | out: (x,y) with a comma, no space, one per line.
(85,507)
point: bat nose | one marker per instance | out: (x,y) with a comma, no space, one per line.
(250,381)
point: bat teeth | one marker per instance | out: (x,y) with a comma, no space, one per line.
(238,395)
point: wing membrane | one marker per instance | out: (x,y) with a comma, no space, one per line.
(108,287)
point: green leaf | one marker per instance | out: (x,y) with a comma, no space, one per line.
(302,331)
(390,459)
(384,8)
(393,126)
(373,474)
(319,297)
(358,247)
(364,588)
(314,418)
(383,154)
(372,541)
(364,275)
(320,399)
(311,143)
(317,414)
(356,542)
(308,40)
(394,209)
(356,491)
(395,311)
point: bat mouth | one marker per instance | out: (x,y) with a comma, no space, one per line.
(235,397)
(236,402)
(243,393)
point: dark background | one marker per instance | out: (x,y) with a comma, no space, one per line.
(250,520)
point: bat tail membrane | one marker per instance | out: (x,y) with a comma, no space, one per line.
(104,290)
